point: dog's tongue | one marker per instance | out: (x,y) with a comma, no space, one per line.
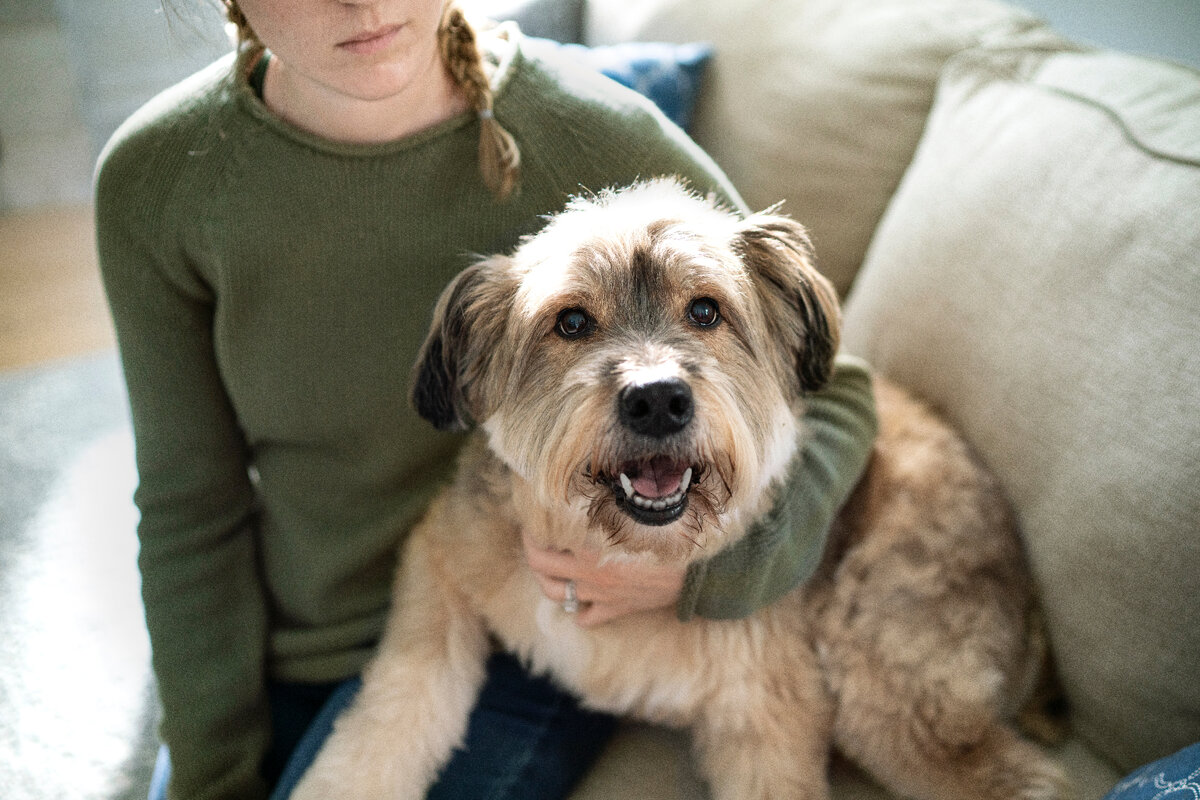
(658,477)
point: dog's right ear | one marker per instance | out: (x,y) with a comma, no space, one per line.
(467,322)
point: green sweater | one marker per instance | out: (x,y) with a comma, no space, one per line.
(270,291)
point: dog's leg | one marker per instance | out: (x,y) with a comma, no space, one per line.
(766,732)
(416,696)
(920,700)
(937,742)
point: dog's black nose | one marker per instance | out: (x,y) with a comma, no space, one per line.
(656,409)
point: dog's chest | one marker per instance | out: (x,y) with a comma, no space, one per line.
(623,668)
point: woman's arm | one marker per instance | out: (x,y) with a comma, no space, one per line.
(204,603)
(784,548)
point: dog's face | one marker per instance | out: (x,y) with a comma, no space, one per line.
(644,357)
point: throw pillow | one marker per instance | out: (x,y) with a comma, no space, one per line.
(668,74)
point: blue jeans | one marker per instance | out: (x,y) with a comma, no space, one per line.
(526,739)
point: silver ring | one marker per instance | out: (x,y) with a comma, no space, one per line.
(570,603)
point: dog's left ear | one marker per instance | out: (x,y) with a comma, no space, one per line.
(449,377)
(800,303)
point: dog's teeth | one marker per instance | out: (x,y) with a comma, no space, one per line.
(660,503)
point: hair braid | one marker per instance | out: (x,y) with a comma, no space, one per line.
(249,47)
(499,158)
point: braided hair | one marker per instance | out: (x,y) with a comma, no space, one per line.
(499,157)
(249,48)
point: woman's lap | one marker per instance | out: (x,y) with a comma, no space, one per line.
(526,739)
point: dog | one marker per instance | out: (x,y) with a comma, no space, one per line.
(637,373)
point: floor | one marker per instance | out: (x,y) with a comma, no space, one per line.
(77,708)
(51,301)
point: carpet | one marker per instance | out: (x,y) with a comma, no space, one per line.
(77,702)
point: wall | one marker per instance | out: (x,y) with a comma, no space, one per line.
(72,70)
(1164,28)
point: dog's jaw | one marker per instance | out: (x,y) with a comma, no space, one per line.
(670,506)
(652,491)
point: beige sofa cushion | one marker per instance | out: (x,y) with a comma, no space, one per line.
(818,103)
(649,763)
(1037,276)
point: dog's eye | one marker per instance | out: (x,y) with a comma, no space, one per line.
(573,323)
(704,312)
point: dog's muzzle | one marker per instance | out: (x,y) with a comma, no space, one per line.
(653,490)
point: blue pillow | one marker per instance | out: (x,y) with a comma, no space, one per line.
(668,74)
(1175,777)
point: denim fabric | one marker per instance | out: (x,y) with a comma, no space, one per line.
(526,739)
(1176,777)
(161,776)
(305,749)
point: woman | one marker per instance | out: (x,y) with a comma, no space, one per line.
(273,233)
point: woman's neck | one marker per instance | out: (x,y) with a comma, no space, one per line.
(431,98)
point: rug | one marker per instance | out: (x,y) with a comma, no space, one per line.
(77,701)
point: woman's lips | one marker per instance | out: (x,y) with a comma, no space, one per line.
(372,41)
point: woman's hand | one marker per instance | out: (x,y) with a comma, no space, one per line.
(605,592)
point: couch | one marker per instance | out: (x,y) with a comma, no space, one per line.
(1013,220)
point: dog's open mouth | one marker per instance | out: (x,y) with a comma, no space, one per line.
(653,491)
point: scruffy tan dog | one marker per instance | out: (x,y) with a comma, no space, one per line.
(639,371)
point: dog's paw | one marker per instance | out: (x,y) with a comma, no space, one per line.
(327,779)
(357,763)
(313,787)
(1025,773)
(324,783)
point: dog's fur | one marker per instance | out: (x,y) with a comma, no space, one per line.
(906,651)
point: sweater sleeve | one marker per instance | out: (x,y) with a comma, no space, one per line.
(204,604)
(785,547)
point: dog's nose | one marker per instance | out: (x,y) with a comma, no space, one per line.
(656,409)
